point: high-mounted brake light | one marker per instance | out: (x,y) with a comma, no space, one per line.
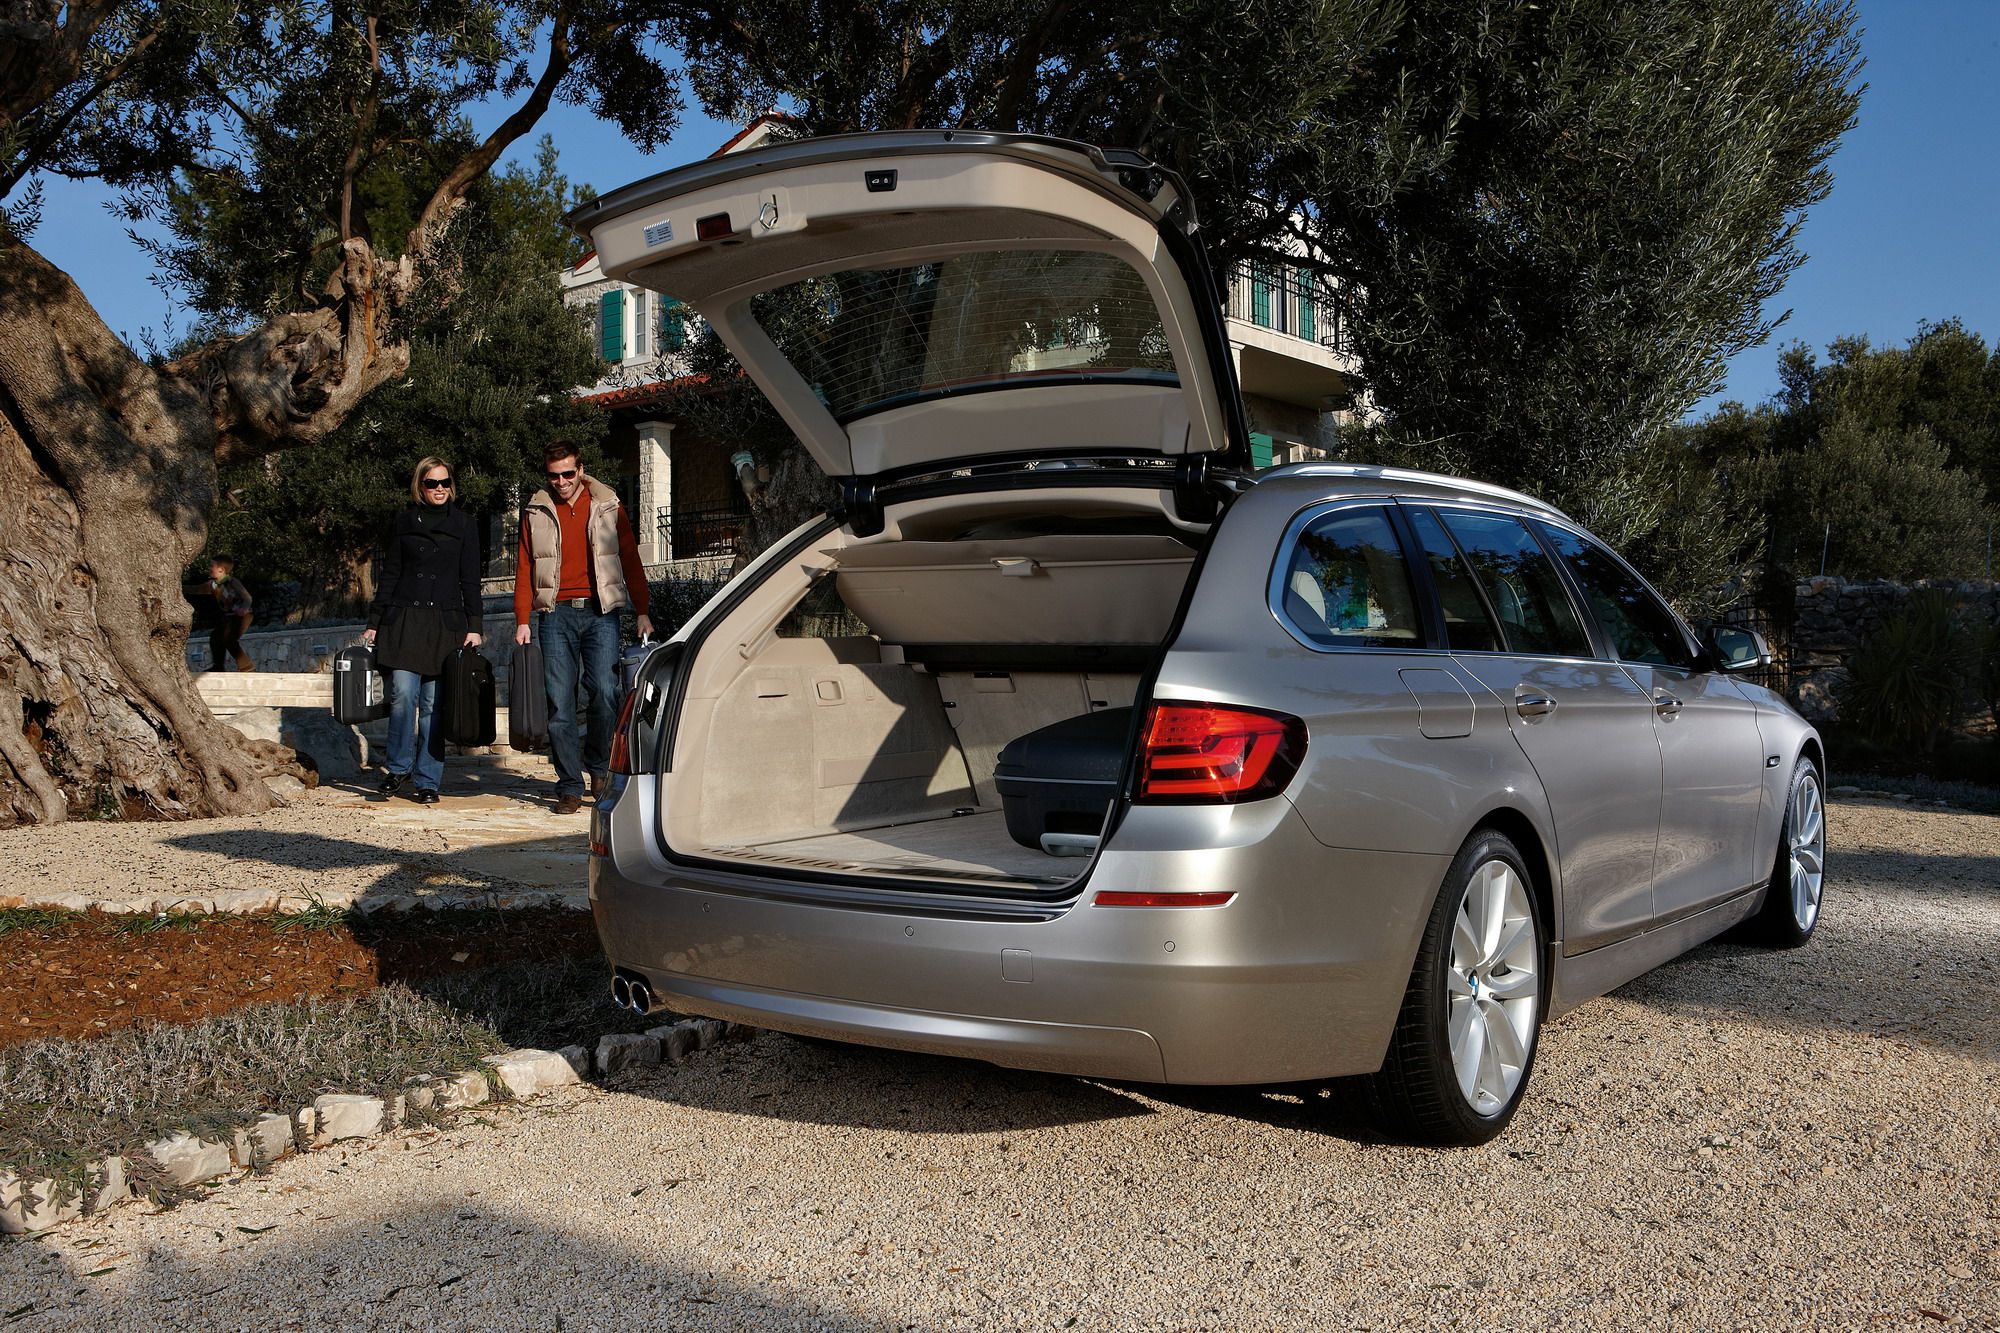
(621,735)
(1196,754)
(713,227)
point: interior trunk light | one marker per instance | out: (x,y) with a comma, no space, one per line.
(621,735)
(713,227)
(1206,753)
(1121,898)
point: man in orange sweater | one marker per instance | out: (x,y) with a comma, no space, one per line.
(578,567)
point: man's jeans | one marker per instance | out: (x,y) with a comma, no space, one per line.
(415,745)
(580,656)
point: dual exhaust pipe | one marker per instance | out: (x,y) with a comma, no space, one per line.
(630,991)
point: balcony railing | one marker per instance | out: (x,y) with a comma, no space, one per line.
(686,534)
(1289,300)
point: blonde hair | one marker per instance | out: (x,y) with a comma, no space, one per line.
(417,477)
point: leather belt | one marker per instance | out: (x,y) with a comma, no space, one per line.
(579,603)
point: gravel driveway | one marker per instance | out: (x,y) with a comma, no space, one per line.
(1741,1140)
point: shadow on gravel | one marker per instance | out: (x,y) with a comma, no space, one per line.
(829,1083)
(1918,874)
(475,1266)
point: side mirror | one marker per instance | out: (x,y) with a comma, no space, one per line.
(1738,650)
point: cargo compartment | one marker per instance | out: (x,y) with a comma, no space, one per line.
(849,718)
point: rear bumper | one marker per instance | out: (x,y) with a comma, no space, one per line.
(1300,976)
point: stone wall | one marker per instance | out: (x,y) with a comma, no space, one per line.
(1833,617)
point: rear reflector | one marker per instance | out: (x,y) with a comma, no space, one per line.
(713,227)
(1207,753)
(1118,898)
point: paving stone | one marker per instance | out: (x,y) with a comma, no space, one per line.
(344,1115)
(271,1138)
(30,1205)
(620,1050)
(419,1098)
(677,1041)
(462,1090)
(578,1058)
(307,1122)
(527,1072)
(186,1160)
(239,1149)
(708,1031)
(110,1186)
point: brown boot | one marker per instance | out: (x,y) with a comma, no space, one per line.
(569,804)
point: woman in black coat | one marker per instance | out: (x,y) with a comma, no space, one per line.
(425,608)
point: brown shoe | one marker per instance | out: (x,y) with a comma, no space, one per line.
(568,805)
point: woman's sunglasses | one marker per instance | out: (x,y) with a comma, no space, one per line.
(437,483)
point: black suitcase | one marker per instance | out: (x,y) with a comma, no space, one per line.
(527,699)
(466,701)
(360,695)
(631,661)
(1062,778)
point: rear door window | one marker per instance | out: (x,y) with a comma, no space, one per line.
(1468,624)
(1521,583)
(1344,583)
(1639,625)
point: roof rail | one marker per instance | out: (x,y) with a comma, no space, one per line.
(1374,472)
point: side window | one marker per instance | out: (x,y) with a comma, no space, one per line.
(1468,625)
(1522,584)
(1344,584)
(1641,628)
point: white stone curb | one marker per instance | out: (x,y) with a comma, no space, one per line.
(184,1161)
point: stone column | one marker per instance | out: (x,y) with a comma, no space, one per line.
(656,488)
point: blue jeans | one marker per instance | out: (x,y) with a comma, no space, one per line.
(580,655)
(414,744)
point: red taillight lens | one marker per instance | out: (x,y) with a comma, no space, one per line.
(621,735)
(1200,753)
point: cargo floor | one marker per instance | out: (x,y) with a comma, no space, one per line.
(973,847)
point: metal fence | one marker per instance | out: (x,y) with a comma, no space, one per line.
(1289,300)
(686,534)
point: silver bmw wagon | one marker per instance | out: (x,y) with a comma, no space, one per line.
(1065,742)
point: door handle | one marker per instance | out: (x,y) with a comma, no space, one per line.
(1532,706)
(1665,704)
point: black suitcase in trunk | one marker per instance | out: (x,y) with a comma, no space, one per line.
(1063,777)
(466,703)
(527,699)
(360,695)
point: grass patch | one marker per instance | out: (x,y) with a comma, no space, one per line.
(33,918)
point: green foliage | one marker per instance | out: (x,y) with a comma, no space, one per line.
(1906,682)
(1865,464)
(1680,521)
(488,385)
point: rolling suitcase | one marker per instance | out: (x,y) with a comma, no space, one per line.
(527,699)
(466,703)
(630,662)
(360,695)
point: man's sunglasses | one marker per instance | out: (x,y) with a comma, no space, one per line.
(560,476)
(437,483)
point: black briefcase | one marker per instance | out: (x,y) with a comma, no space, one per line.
(527,699)
(466,703)
(360,695)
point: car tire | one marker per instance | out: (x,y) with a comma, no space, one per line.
(1474,1004)
(1796,895)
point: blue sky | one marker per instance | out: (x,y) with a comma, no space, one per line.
(1910,233)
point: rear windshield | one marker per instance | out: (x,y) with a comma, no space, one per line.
(870,339)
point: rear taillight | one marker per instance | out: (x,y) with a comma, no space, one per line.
(1201,753)
(621,736)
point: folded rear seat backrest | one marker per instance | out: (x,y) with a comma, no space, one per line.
(799,749)
(1049,589)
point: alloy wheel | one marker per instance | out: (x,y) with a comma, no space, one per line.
(1807,848)
(1493,985)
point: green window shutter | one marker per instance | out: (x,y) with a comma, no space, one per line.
(673,325)
(1260,296)
(1308,286)
(611,325)
(1260,450)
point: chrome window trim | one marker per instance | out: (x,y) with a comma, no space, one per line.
(1586,618)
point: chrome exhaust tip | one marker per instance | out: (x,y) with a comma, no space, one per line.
(621,992)
(642,997)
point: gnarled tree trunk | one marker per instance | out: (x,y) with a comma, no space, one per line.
(107,476)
